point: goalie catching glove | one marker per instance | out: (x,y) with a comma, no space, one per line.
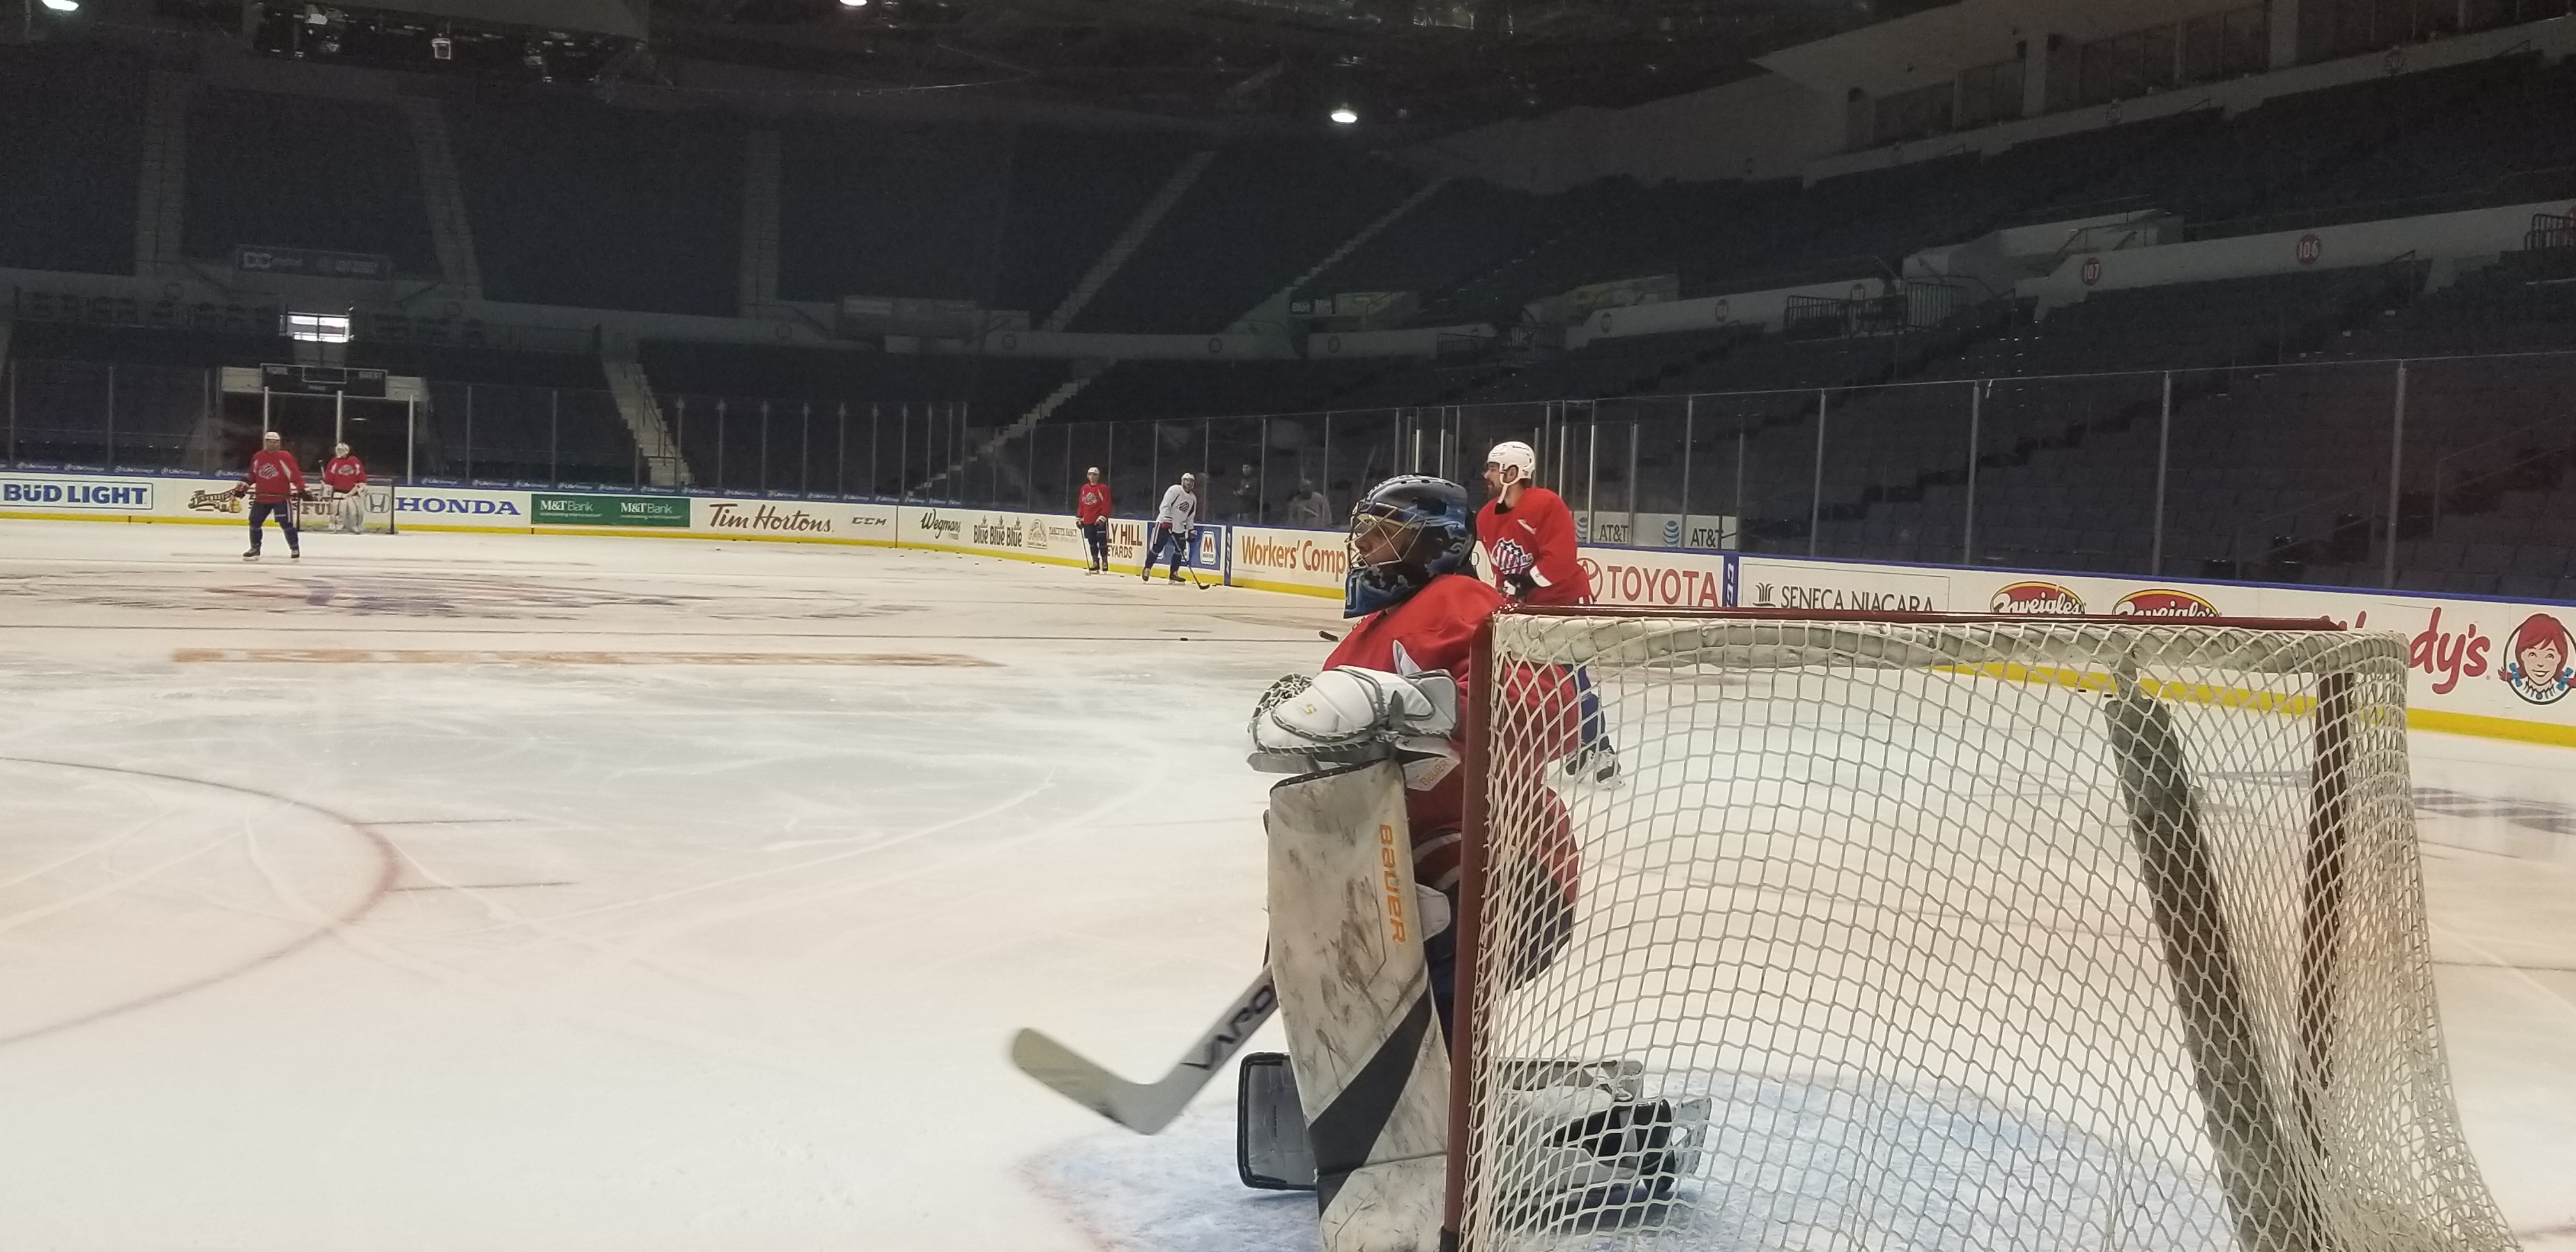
(1346,715)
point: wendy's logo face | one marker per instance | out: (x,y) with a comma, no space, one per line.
(2536,660)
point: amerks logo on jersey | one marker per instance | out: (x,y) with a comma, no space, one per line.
(2163,602)
(1511,559)
(2037,598)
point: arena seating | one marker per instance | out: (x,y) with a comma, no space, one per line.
(1141,390)
(1071,193)
(276,170)
(1260,215)
(890,211)
(576,203)
(527,435)
(805,392)
(1468,233)
(69,168)
(1009,218)
(2282,383)
(2463,136)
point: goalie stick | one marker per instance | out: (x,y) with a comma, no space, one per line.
(1146,1107)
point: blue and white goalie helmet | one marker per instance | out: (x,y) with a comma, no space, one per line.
(1409,530)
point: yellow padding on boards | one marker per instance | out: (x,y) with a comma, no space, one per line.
(2097,681)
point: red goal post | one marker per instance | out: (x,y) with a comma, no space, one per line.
(2023,924)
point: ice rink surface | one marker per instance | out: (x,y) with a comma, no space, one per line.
(479,893)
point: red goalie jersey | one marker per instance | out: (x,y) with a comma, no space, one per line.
(1435,629)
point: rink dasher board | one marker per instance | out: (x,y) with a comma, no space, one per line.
(2461,648)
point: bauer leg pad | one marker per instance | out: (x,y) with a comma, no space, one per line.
(1346,953)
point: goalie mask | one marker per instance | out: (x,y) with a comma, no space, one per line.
(1408,531)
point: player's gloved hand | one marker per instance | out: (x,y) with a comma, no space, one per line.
(1347,714)
(1519,586)
(1426,759)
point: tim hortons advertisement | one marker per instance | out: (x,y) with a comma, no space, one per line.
(814,520)
(810,521)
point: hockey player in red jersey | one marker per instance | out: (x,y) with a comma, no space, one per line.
(1525,534)
(1091,508)
(1419,612)
(343,474)
(1357,995)
(1526,540)
(274,484)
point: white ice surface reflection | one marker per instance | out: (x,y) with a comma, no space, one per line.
(483,893)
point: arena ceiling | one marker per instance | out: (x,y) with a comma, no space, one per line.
(1414,64)
(1405,67)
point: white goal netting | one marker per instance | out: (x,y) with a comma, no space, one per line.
(369,509)
(1955,935)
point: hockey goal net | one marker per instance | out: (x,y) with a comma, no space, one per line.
(369,510)
(1949,933)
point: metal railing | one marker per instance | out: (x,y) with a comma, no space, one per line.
(2308,470)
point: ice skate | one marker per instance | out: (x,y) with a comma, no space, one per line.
(1597,761)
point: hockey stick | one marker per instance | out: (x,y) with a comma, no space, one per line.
(1146,1107)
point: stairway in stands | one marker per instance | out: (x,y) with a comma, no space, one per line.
(451,233)
(158,246)
(1083,373)
(760,199)
(1130,238)
(642,410)
(1279,300)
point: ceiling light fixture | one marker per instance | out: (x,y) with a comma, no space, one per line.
(1344,116)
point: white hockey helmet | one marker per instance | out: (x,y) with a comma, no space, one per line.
(1513,454)
(1189,478)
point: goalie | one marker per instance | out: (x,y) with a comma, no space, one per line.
(1365,850)
(1392,688)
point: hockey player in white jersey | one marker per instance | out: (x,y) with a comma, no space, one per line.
(1174,523)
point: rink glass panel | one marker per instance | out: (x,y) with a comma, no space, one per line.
(1972,935)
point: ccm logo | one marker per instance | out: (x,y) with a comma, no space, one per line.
(1392,880)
